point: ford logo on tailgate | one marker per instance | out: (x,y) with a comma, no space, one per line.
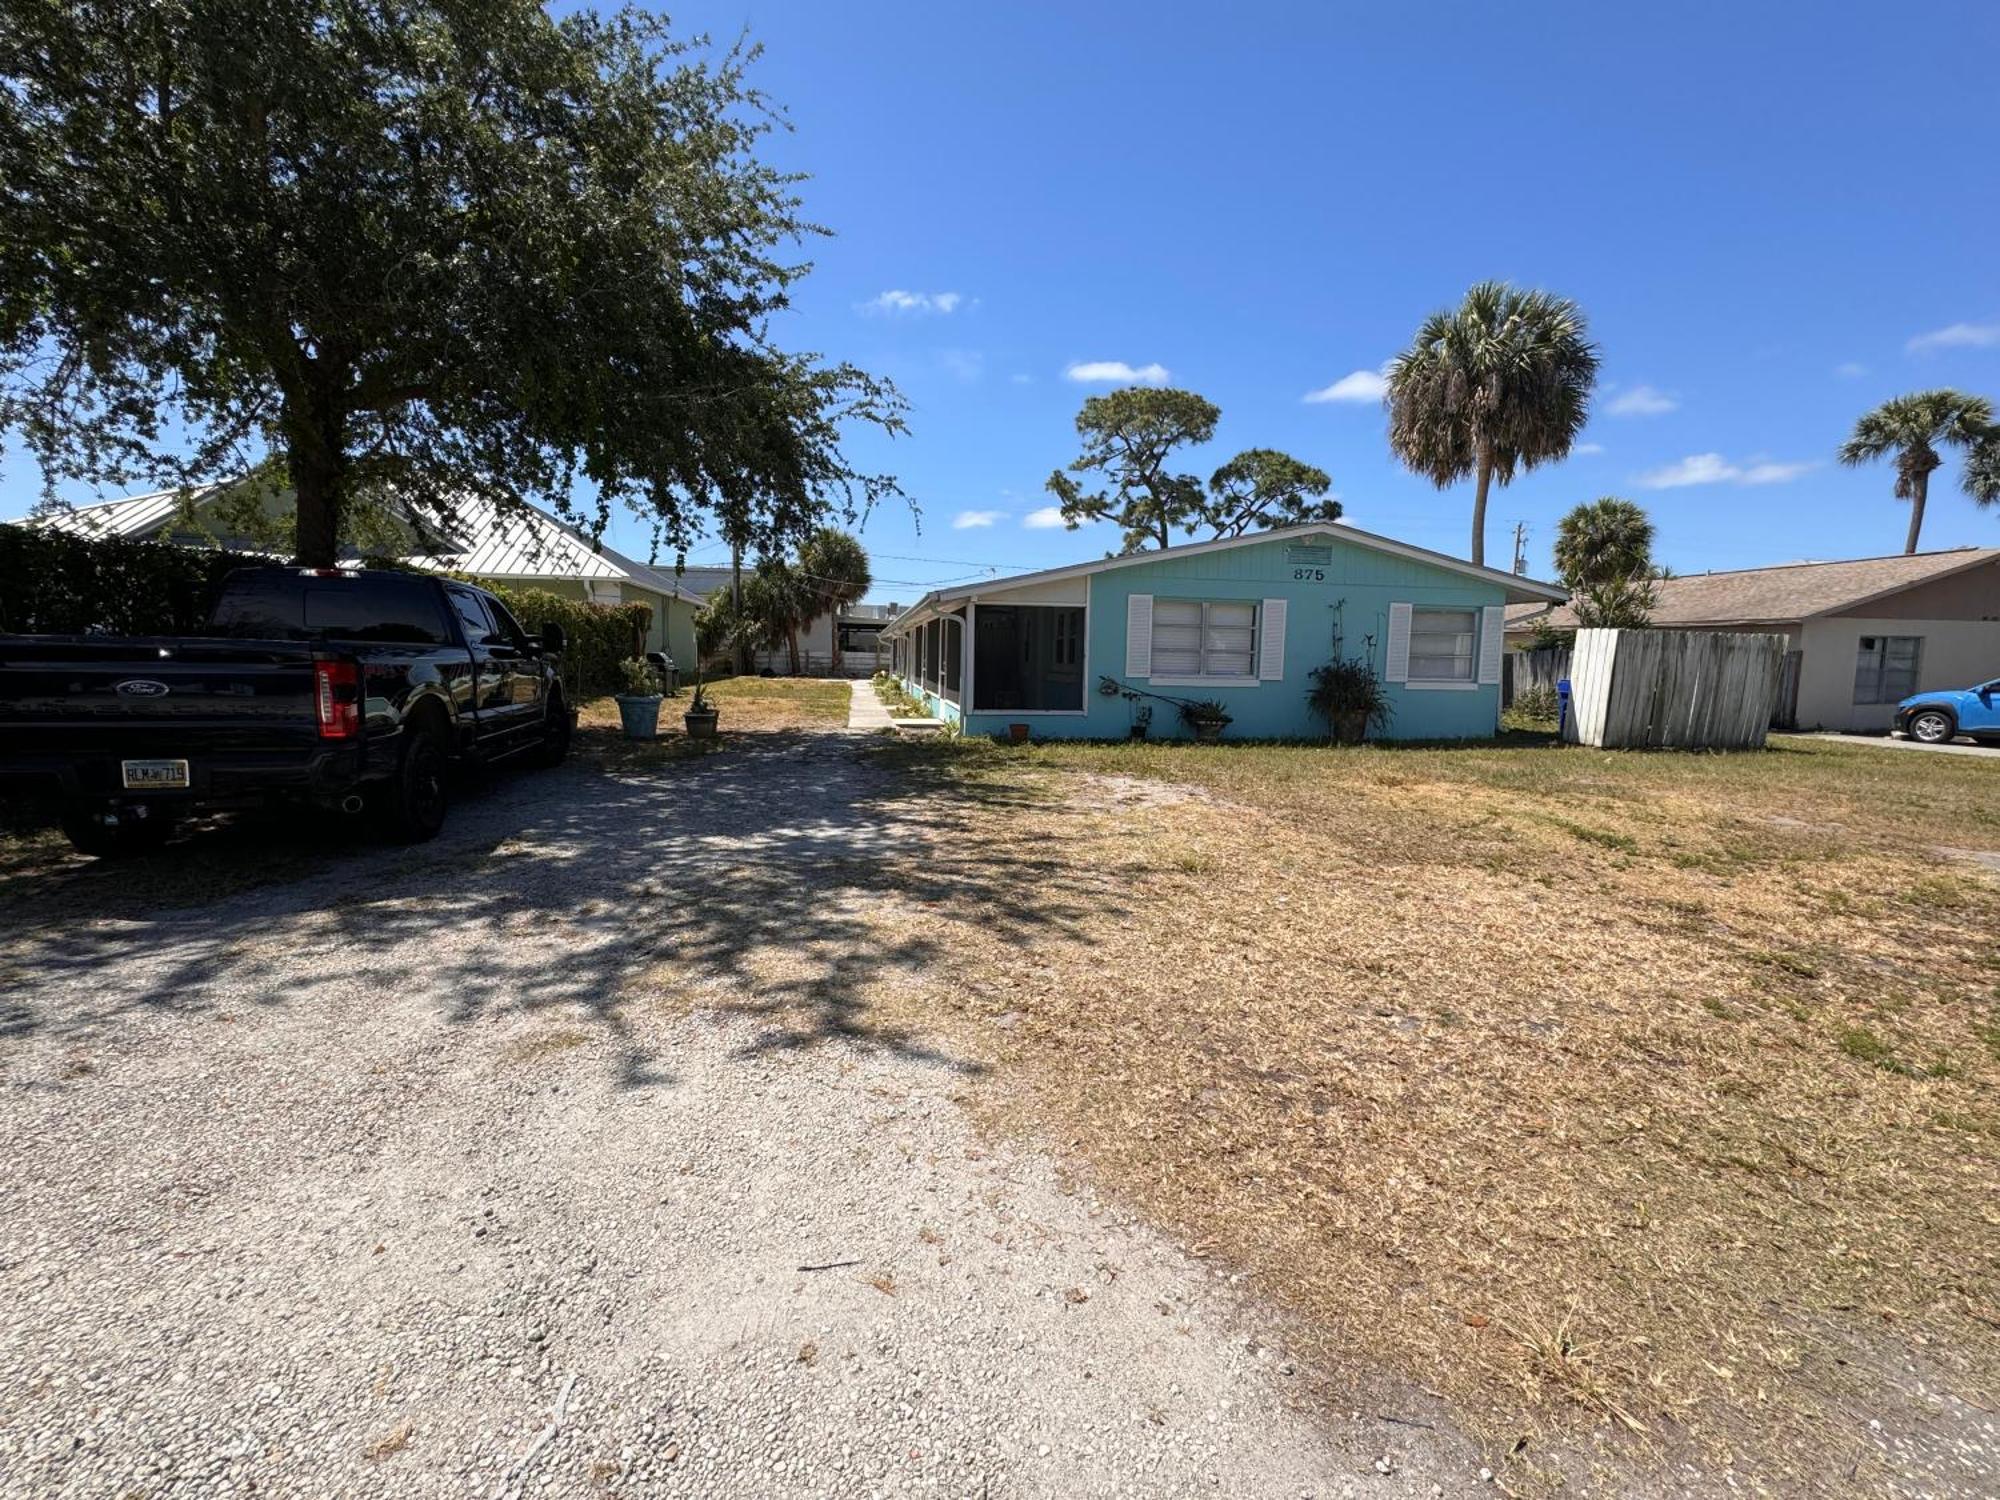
(143,687)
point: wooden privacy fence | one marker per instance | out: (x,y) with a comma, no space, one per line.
(1685,689)
(1522,670)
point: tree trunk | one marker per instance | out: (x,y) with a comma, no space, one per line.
(318,472)
(792,647)
(1479,509)
(1920,491)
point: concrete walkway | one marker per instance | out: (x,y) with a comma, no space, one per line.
(865,711)
(1897,742)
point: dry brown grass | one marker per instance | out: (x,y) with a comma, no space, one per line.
(1657,1096)
(748,706)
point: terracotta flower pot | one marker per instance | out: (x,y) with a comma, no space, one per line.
(1018,733)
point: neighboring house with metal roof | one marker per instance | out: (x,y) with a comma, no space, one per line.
(524,549)
(1868,631)
(1079,652)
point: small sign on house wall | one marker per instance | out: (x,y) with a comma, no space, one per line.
(1308,561)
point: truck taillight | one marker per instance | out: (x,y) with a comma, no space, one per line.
(337,699)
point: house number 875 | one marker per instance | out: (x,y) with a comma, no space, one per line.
(1311,575)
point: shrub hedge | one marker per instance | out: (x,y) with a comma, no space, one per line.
(55,583)
(600,635)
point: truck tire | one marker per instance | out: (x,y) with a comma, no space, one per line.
(412,803)
(554,748)
(89,836)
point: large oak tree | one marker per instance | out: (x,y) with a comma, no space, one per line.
(399,248)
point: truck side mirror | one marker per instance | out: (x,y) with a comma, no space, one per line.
(554,638)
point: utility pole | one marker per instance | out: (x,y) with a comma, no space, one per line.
(1521,549)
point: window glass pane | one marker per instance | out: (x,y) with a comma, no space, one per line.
(1441,645)
(1177,637)
(508,625)
(1204,638)
(472,615)
(373,609)
(1886,667)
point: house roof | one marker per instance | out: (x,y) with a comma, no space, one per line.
(133,516)
(1777,595)
(1518,589)
(524,544)
(531,543)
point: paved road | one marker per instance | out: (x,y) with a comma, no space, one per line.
(418,1176)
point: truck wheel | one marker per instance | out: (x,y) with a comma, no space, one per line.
(1932,726)
(88,835)
(554,748)
(413,802)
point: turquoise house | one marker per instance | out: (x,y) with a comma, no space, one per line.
(1242,621)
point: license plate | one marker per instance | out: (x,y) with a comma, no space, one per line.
(155,775)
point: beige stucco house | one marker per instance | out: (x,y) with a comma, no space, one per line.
(1867,631)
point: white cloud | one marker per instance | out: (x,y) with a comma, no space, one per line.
(1586,450)
(965,364)
(1362,385)
(1850,369)
(1019,379)
(1048,518)
(1642,401)
(914,302)
(966,520)
(1115,371)
(1774,473)
(1957,336)
(1713,468)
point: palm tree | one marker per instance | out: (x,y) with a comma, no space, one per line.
(1982,469)
(1912,427)
(1605,538)
(1501,383)
(833,573)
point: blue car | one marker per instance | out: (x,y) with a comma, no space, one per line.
(1936,718)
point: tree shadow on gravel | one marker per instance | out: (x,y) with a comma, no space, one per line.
(782,880)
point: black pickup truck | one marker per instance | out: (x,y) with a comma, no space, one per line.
(344,689)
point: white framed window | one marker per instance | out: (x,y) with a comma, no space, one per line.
(1443,645)
(1885,667)
(1202,638)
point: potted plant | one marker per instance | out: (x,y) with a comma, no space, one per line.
(1142,719)
(1206,717)
(1350,697)
(702,713)
(1018,733)
(639,704)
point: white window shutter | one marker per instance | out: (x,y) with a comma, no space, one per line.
(1492,636)
(1138,635)
(1398,665)
(1271,641)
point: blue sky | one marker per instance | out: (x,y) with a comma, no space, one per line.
(1775,215)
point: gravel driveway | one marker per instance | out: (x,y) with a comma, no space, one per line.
(403,1179)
